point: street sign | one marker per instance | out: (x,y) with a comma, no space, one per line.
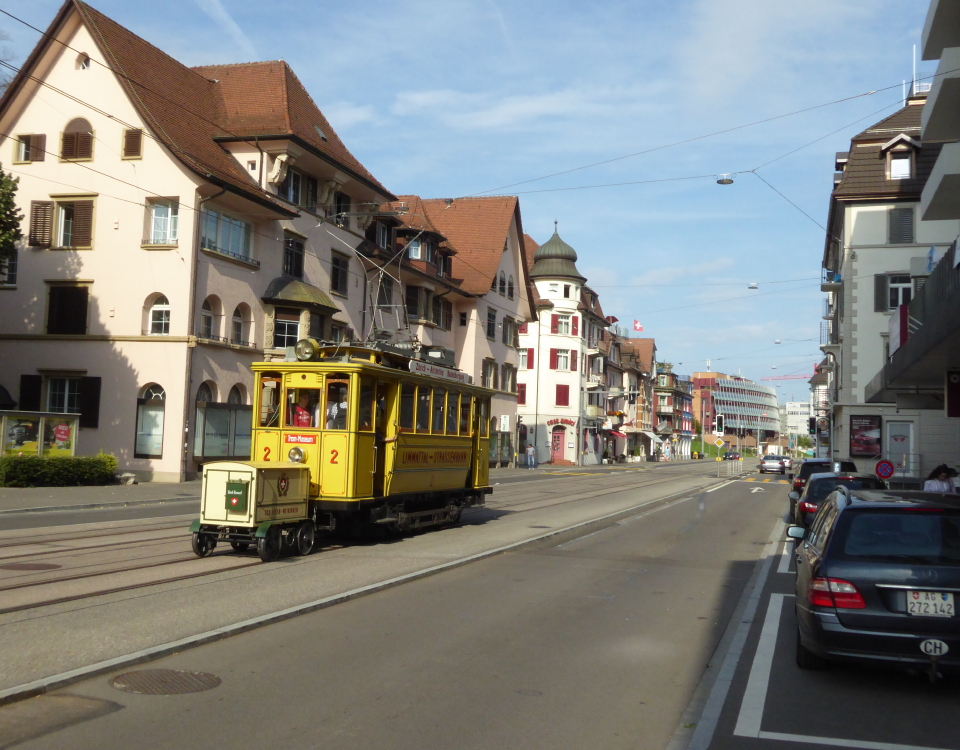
(884,469)
(719,443)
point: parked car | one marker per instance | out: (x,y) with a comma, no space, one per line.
(731,456)
(772,464)
(803,506)
(802,469)
(878,575)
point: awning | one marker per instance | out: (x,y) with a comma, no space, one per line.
(614,433)
(653,437)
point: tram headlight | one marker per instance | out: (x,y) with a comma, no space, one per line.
(306,349)
(295,455)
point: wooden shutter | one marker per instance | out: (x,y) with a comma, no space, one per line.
(38,147)
(575,326)
(523,327)
(41,224)
(521,393)
(554,323)
(563,395)
(30,386)
(68,146)
(530,359)
(132,143)
(84,145)
(89,402)
(881,292)
(573,360)
(553,359)
(67,313)
(82,223)
(901,226)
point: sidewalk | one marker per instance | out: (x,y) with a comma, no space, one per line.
(35,499)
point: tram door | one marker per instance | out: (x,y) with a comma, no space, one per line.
(366,438)
(386,396)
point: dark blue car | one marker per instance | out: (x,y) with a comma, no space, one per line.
(878,581)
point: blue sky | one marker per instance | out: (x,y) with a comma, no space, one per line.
(446,98)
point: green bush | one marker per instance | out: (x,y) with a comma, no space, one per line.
(57,471)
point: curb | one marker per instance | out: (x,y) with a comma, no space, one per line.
(93,506)
(55,682)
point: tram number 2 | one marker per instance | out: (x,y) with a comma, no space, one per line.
(266,453)
(334,454)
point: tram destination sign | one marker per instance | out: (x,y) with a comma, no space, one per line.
(436,371)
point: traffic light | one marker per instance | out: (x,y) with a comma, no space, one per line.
(812,425)
(718,424)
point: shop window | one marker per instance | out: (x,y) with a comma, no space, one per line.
(150,414)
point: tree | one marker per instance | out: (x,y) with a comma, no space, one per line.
(10,216)
(803,441)
(697,427)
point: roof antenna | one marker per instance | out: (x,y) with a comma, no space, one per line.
(914,84)
(554,226)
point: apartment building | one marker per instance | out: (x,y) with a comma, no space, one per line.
(751,413)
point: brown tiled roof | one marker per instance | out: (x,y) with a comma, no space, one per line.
(530,246)
(478,228)
(644,349)
(865,173)
(590,301)
(267,98)
(186,111)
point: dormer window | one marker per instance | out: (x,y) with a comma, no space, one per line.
(900,166)
(383,234)
(414,250)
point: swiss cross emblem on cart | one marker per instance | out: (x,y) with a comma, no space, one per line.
(283,484)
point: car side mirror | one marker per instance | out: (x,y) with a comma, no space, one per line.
(796,532)
(794,495)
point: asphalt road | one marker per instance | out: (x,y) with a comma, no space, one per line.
(595,638)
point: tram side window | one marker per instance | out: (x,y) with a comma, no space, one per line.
(408,397)
(465,414)
(484,408)
(365,412)
(270,400)
(303,407)
(337,402)
(453,399)
(438,398)
(423,409)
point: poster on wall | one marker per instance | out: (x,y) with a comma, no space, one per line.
(865,436)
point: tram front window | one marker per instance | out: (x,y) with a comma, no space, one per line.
(270,400)
(337,401)
(303,406)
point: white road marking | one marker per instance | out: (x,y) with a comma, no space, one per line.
(784,566)
(721,486)
(710,716)
(756,489)
(858,744)
(755,696)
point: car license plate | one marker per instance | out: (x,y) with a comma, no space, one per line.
(930,604)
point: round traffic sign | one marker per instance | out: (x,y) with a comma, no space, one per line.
(884,469)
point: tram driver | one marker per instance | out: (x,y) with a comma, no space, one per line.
(303,408)
(337,406)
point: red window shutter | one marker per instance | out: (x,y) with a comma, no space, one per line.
(575,326)
(523,327)
(573,360)
(38,147)
(553,359)
(521,393)
(554,323)
(563,395)
(530,359)
(41,224)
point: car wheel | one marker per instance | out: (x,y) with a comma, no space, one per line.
(806,659)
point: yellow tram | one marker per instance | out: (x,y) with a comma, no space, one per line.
(350,438)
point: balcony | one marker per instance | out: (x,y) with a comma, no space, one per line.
(940,119)
(829,339)
(594,411)
(941,195)
(830,281)
(594,379)
(941,29)
(828,309)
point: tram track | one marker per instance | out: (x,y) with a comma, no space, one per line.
(5,542)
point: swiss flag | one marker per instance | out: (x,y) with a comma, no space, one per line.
(637,326)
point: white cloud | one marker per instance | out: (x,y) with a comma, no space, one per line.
(216,11)
(344,115)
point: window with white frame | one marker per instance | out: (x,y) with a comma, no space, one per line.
(150,412)
(900,166)
(63,395)
(563,324)
(286,327)
(554,289)
(383,234)
(164,219)
(206,320)
(900,289)
(522,359)
(237,326)
(563,359)
(414,250)
(160,317)
(8,270)
(491,324)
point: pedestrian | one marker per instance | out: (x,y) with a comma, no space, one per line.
(939,480)
(531,456)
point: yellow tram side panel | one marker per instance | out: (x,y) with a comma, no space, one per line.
(425,463)
(274,492)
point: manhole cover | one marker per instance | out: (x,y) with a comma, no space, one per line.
(31,566)
(165,682)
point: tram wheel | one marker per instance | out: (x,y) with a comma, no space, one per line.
(268,546)
(240,546)
(202,544)
(306,535)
